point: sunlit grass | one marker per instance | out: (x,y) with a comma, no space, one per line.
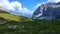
(12,17)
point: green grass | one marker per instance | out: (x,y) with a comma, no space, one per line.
(24,25)
(13,17)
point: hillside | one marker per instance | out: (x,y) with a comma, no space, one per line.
(13,24)
(12,17)
(28,27)
(7,19)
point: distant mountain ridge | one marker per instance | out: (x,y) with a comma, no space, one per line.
(47,11)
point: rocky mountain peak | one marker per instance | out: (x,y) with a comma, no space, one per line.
(47,11)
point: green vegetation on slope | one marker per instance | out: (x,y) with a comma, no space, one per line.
(12,17)
(31,27)
(23,25)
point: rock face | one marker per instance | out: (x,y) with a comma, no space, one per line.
(47,11)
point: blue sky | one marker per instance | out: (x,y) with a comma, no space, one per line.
(29,3)
(24,7)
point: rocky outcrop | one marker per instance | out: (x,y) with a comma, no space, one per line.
(47,11)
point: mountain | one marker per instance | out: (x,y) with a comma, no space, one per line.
(47,11)
(14,24)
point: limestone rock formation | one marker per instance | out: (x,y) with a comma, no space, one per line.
(47,11)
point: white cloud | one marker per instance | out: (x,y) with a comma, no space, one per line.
(14,6)
(26,10)
(54,1)
(47,2)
